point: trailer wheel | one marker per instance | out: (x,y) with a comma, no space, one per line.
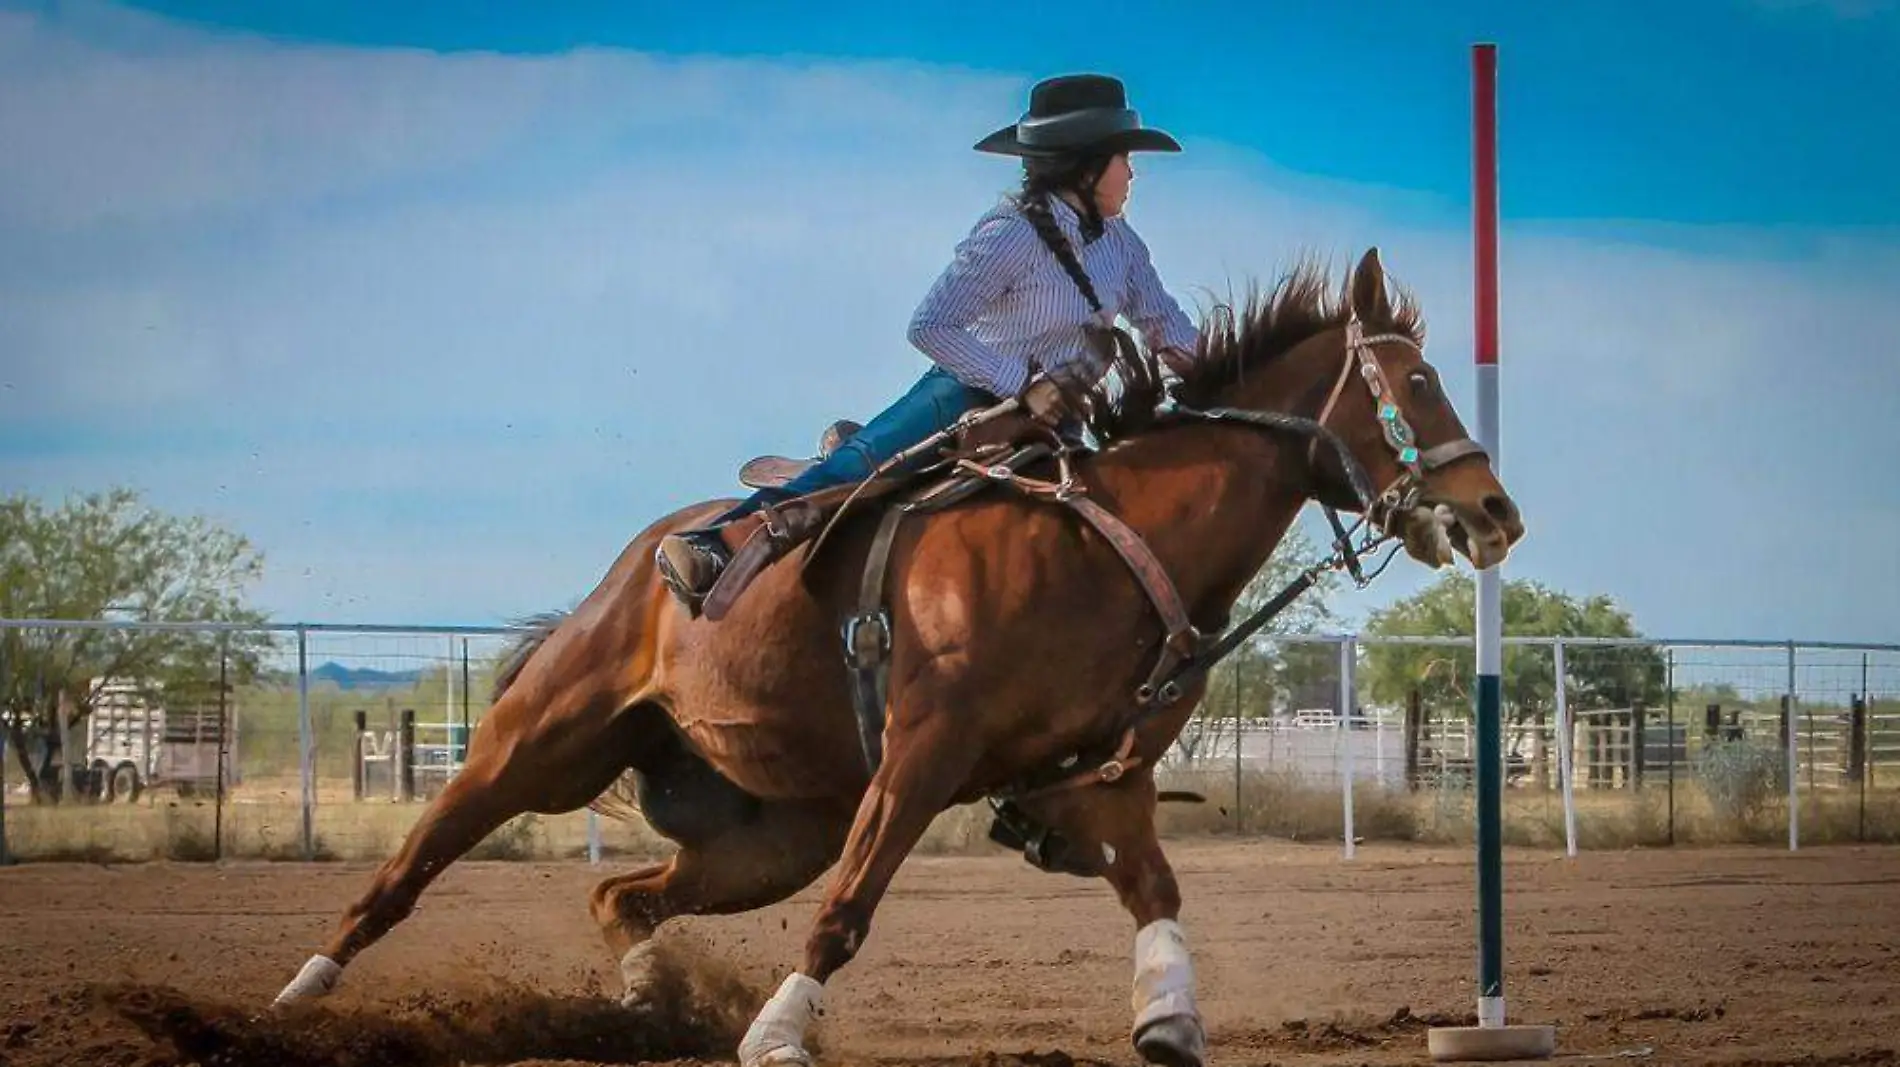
(124,784)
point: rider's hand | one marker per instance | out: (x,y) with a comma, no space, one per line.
(1043,401)
(1178,361)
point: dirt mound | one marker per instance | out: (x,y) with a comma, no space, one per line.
(700,1010)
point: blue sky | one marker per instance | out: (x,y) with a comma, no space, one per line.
(423,297)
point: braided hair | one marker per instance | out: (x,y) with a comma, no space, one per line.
(1047,178)
(1115,350)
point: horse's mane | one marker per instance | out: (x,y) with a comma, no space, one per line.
(1268,323)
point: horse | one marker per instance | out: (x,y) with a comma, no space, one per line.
(1020,649)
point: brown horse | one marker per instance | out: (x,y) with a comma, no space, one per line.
(1017,639)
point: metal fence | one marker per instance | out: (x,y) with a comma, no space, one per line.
(324,741)
(1646,742)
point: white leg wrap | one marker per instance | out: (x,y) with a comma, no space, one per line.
(318,978)
(777,1036)
(638,973)
(1164,976)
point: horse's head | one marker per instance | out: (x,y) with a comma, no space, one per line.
(1429,482)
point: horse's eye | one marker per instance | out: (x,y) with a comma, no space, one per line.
(1421,383)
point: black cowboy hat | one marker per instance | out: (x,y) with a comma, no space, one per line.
(1077,113)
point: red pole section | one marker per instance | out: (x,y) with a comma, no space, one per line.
(1484,205)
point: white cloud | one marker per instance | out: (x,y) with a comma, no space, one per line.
(441,332)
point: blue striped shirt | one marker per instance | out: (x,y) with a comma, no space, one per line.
(1005,309)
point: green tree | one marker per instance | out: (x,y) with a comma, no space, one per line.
(1267,668)
(108,556)
(1599,676)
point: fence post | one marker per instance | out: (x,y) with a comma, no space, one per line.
(1669,735)
(1346,648)
(1859,756)
(1240,815)
(6,727)
(1639,733)
(1566,758)
(224,734)
(1414,721)
(358,770)
(1794,756)
(307,742)
(406,756)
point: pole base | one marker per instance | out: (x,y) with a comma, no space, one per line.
(1465,1044)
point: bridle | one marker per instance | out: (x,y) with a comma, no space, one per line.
(1378,517)
(1378,512)
(1402,495)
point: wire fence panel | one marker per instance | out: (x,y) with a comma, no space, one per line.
(290,743)
(129,741)
(1647,743)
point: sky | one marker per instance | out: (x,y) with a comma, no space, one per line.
(432,301)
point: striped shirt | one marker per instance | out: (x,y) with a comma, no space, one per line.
(1004,308)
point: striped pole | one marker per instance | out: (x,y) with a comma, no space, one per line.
(1491,1039)
(1484,71)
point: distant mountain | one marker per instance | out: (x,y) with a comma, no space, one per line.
(363,677)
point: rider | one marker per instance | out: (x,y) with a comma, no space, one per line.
(1014,306)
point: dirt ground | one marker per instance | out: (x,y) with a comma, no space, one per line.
(1732,956)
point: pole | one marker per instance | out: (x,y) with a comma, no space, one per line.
(1346,646)
(1491,1039)
(224,730)
(1240,814)
(461,757)
(1566,753)
(1794,761)
(307,744)
(1863,772)
(1490,592)
(1669,736)
(6,727)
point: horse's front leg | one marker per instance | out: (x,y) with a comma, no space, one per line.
(1167,1025)
(923,768)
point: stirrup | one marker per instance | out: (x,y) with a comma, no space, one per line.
(693,598)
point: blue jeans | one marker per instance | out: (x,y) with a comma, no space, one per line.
(932,404)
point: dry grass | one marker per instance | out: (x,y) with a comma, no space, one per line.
(267,823)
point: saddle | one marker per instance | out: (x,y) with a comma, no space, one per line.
(971,457)
(998,454)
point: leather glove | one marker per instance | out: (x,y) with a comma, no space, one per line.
(1178,361)
(1044,403)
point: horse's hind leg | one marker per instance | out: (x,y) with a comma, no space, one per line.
(777,850)
(520,759)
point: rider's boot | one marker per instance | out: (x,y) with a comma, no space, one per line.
(691,561)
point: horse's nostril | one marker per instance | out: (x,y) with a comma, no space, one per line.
(1500,509)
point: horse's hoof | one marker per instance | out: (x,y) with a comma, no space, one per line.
(318,977)
(1177,1041)
(781,1056)
(777,1037)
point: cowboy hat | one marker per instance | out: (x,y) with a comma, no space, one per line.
(1077,113)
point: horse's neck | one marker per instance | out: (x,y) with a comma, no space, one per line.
(1213,501)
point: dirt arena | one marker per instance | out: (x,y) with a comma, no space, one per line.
(1727,956)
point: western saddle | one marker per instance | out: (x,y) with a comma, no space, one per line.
(1011,452)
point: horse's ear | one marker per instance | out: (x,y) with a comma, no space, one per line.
(1369,298)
